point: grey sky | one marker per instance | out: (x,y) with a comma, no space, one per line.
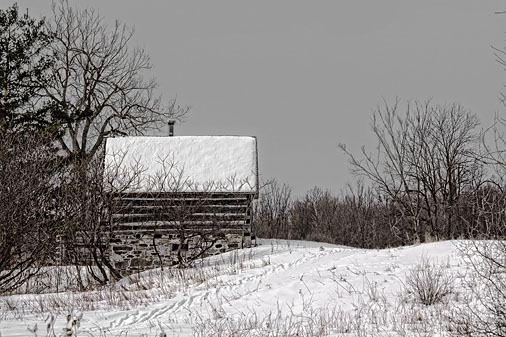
(304,76)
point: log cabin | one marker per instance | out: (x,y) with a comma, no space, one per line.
(176,199)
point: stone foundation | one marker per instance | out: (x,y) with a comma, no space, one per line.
(134,251)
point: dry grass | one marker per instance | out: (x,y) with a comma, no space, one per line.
(57,291)
(429,283)
(372,313)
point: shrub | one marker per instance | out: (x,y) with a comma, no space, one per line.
(429,283)
(28,217)
(485,311)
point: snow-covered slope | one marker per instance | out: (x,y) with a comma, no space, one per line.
(277,286)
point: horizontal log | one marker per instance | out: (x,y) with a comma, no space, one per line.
(180,211)
(164,217)
(176,224)
(185,195)
(174,230)
(123,202)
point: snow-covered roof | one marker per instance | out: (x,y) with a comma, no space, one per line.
(182,164)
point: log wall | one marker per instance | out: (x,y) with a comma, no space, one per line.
(153,229)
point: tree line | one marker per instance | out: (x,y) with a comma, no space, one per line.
(434,175)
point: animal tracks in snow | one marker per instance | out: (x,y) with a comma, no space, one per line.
(260,282)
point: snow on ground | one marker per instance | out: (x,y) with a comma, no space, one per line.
(278,286)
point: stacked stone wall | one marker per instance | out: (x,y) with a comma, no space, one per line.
(134,251)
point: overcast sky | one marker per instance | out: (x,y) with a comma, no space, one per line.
(304,76)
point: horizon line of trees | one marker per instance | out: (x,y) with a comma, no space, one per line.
(433,176)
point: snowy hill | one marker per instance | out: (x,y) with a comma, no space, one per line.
(279,288)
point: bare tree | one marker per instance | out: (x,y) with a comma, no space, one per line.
(357,217)
(29,220)
(97,89)
(363,218)
(196,220)
(485,311)
(85,205)
(272,211)
(98,86)
(425,163)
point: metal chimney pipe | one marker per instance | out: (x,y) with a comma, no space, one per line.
(171,127)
